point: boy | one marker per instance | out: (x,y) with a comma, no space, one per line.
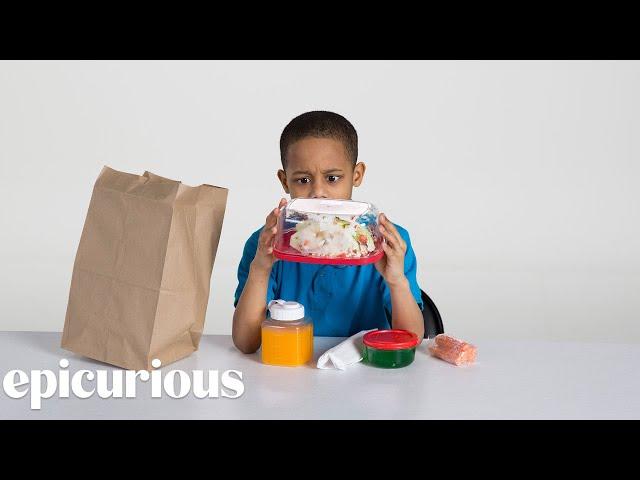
(319,154)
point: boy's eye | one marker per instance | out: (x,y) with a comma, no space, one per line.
(332,178)
(303,180)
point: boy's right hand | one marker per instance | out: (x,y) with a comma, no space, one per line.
(264,258)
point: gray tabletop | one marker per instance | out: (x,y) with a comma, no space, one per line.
(511,380)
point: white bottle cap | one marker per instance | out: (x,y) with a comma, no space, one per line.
(286,311)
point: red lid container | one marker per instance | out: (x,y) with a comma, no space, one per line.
(328,231)
(390,339)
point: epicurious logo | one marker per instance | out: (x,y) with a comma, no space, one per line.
(44,384)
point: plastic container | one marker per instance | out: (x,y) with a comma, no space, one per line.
(328,231)
(389,348)
(287,335)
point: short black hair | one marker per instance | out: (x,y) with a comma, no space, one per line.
(320,124)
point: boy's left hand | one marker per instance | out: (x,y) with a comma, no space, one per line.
(391,265)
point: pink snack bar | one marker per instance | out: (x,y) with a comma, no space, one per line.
(452,350)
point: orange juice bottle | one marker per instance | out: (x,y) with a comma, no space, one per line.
(287,335)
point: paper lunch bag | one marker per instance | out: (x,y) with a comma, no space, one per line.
(140,283)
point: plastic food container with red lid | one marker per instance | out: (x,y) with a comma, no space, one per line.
(328,231)
(389,348)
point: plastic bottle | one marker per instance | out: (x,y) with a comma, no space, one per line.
(287,335)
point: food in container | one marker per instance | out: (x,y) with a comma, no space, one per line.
(392,348)
(328,231)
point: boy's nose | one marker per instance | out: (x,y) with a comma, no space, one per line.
(318,192)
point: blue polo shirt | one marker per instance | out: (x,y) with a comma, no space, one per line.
(341,300)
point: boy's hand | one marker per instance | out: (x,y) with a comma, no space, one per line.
(391,265)
(264,259)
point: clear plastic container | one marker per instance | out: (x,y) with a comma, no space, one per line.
(389,348)
(287,335)
(328,231)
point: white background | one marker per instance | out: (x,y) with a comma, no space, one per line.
(518,181)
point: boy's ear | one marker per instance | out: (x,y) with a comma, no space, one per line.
(283,180)
(358,173)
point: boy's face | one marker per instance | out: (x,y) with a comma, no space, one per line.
(320,168)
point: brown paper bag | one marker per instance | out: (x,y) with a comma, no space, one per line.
(141,276)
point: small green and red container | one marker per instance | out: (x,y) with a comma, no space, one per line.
(389,348)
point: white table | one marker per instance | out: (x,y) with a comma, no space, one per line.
(511,380)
